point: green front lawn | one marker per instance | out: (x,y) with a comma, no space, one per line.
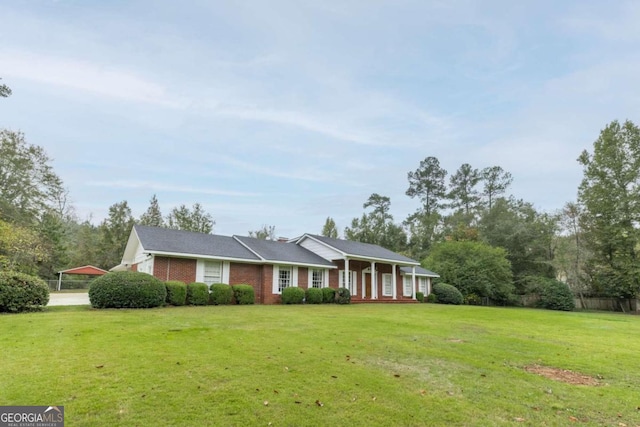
(370,365)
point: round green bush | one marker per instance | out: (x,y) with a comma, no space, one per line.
(176,292)
(221,294)
(244,294)
(197,294)
(555,295)
(420,296)
(127,289)
(343,296)
(314,296)
(292,295)
(447,294)
(328,295)
(21,292)
(431,298)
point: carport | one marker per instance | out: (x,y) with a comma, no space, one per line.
(87,270)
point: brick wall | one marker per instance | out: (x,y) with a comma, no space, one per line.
(303,277)
(267,286)
(182,269)
(249,274)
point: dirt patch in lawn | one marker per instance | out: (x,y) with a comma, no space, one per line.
(562,375)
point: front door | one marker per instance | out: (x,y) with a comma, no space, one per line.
(367,285)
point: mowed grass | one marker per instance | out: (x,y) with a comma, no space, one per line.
(356,365)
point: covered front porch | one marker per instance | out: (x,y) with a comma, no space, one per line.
(377,281)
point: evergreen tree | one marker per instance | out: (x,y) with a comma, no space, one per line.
(329,229)
(152,217)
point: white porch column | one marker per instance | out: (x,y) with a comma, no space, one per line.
(362,285)
(374,281)
(413,282)
(394,293)
(347,276)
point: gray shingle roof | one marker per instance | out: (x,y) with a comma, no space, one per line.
(188,242)
(283,252)
(366,250)
(419,271)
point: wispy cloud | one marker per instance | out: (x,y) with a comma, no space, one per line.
(97,79)
(170,188)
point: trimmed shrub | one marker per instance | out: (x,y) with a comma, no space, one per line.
(432,298)
(176,292)
(420,296)
(314,296)
(473,299)
(292,295)
(21,292)
(197,293)
(221,294)
(556,295)
(447,294)
(343,296)
(328,295)
(244,294)
(127,289)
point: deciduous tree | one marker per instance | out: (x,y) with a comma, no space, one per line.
(267,232)
(475,268)
(194,219)
(610,194)
(28,184)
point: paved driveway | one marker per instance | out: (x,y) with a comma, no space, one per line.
(69,299)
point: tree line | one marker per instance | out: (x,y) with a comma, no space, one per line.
(490,244)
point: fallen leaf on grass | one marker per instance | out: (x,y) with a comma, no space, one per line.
(573,419)
(276,391)
(519,419)
(396,375)
(265,403)
(319,403)
(100,366)
(298,402)
(333,376)
(423,392)
(373,398)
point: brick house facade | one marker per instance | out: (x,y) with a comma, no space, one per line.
(309,261)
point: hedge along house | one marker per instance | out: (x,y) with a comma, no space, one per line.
(268,266)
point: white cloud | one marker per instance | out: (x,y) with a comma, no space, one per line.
(171,188)
(97,79)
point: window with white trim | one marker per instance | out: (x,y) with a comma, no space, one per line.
(317,278)
(407,286)
(212,272)
(352,279)
(387,284)
(422,285)
(285,277)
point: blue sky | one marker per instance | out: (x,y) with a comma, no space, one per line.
(286,112)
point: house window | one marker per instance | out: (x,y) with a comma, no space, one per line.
(284,277)
(317,278)
(212,272)
(387,285)
(352,285)
(408,286)
(422,285)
